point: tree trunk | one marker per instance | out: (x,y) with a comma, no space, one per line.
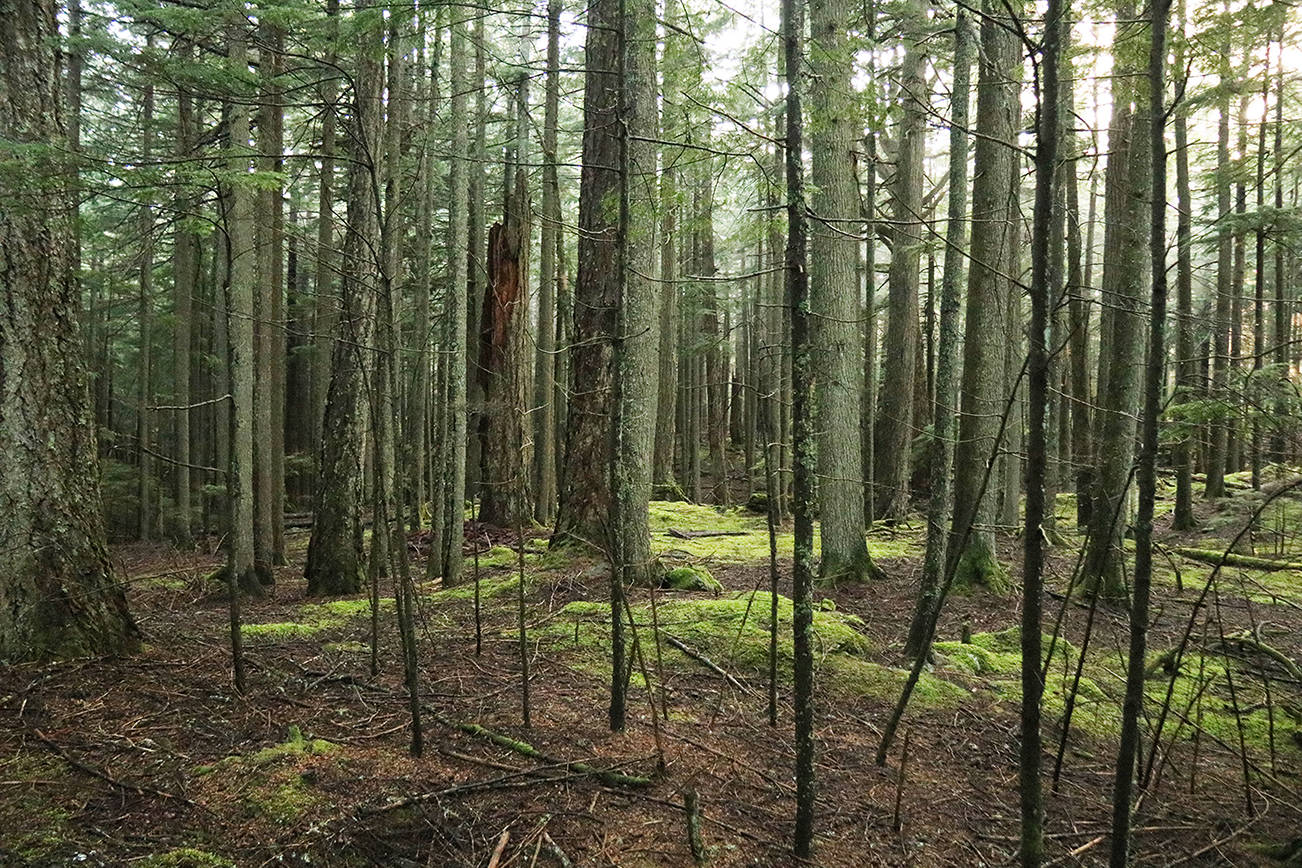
(144,321)
(335,562)
(1042,290)
(241,275)
(894,449)
(454,472)
(940,450)
(1137,663)
(981,391)
(833,297)
(1217,461)
(802,424)
(503,356)
(58,596)
(1127,185)
(544,432)
(185,279)
(585,497)
(1186,364)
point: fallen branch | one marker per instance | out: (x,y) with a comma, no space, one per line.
(130,786)
(618,779)
(702,534)
(705,661)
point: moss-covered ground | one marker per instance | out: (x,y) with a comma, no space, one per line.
(306,766)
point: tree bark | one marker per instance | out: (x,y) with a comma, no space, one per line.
(940,452)
(894,428)
(802,425)
(58,595)
(833,294)
(335,561)
(1128,189)
(981,391)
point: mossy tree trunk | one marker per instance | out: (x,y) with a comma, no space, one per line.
(335,559)
(58,595)
(802,425)
(636,344)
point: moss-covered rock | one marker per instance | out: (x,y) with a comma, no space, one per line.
(690,579)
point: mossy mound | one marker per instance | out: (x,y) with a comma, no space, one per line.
(690,579)
(732,630)
(1200,694)
(186,857)
(275,783)
(748,540)
(314,619)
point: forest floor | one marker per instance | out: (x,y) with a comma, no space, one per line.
(154,760)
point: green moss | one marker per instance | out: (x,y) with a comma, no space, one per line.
(296,745)
(186,857)
(722,629)
(750,540)
(283,798)
(690,579)
(33,825)
(281,630)
(316,618)
(978,565)
(273,782)
(489,589)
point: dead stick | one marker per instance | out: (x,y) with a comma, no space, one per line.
(498,850)
(899,782)
(706,662)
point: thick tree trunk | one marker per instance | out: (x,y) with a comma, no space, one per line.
(335,563)
(58,596)
(585,498)
(327,301)
(502,358)
(834,300)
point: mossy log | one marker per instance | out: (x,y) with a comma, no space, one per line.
(1215,556)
